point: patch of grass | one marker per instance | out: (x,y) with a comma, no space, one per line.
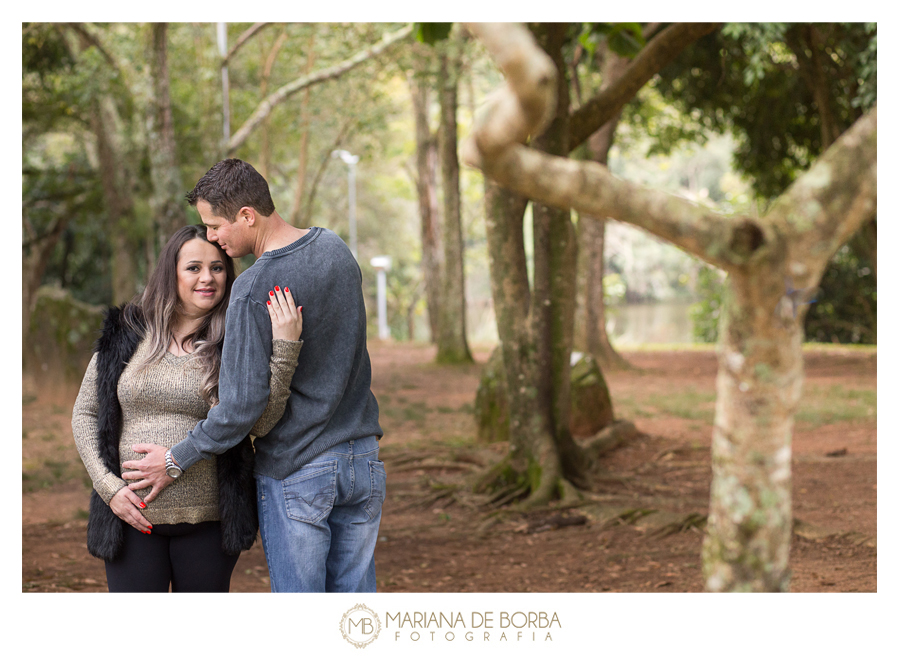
(689,404)
(415,412)
(823,406)
(627,407)
(445,410)
(48,474)
(28,399)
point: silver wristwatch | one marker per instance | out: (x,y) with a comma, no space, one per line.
(173,470)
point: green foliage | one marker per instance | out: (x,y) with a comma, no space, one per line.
(43,50)
(845,310)
(747,79)
(70,187)
(756,81)
(624,39)
(705,313)
(431,33)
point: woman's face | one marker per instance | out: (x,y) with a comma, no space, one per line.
(201,278)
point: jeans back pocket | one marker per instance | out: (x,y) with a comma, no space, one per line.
(309,493)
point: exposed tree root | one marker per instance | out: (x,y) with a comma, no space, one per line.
(610,438)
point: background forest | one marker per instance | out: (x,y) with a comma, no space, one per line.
(119,121)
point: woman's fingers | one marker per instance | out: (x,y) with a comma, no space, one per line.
(127,505)
(287,320)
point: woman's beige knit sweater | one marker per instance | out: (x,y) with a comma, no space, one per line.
(161,404)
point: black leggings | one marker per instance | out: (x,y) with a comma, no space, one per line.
(187,555)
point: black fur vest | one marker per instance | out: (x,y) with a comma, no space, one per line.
(234,468)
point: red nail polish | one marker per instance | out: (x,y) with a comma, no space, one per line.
(286,289)
(268,303)
(271,293)
(277,289)
(142,505)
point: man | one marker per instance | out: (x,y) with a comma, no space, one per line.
(320,485)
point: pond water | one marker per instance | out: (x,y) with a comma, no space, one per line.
(659,322)
(629,324)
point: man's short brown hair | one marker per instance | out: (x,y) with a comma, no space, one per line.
(229,186)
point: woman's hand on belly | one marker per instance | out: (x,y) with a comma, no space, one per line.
(127,505)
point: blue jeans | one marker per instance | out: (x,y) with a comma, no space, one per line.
(319,525)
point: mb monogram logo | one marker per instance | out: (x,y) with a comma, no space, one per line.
(360,626)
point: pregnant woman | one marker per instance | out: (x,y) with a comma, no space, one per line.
(153,376)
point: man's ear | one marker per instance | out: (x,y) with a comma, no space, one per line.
(247,214)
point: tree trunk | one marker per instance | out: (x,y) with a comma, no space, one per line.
(265,149)
(592,237)
(532,465)
(426,188)
(118,201)
(451,338)
(555,261)
(35,257)
(757,392)
(303,156)
(167,205)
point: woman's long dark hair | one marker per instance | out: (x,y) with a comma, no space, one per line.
(160,306)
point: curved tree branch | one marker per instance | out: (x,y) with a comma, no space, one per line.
(660,51)
(248,34)
(496,147)
(831,201)
(265,107)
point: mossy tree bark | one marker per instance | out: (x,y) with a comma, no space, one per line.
(451,340)
(167,200)
(592,236)
(540,373)
(533,460)
(426,190)
(760,360)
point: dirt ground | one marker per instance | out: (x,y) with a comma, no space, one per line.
(642,532)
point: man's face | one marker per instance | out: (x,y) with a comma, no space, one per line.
(231,236)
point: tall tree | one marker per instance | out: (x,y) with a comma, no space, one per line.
(451,343)
(166,202)
(420,83)
(591,313)
(115,137)
(760,359)
(537,344)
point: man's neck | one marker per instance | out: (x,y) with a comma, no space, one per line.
(278,234)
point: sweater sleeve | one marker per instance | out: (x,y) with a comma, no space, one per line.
(282,366)
(243,385)
(84,429)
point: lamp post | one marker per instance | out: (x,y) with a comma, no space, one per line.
(382,264)
(350,160)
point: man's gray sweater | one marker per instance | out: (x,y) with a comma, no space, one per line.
(331,401)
